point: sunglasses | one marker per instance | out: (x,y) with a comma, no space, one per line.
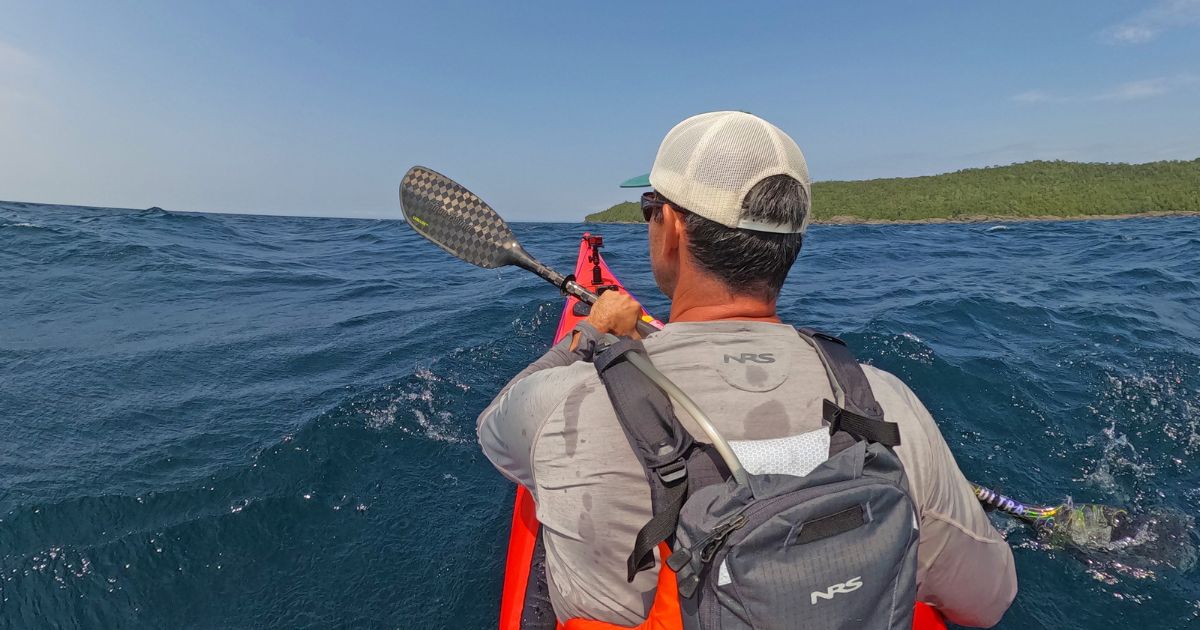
(653,202)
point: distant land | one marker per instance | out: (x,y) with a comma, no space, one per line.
(1038,190)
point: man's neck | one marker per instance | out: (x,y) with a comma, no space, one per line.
(714,303)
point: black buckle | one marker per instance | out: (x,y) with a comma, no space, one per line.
(672,471)
(833,414)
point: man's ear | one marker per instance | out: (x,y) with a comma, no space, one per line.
(673,229)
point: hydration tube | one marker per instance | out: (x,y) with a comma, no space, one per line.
(718,441)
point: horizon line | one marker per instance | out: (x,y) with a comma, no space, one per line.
(400,216)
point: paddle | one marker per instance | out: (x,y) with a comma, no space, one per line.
(1037,515)
(1093,526)
(458,221)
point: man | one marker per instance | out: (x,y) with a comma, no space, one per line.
(726,222)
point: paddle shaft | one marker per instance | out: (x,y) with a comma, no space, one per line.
(522,259)
(1036,515)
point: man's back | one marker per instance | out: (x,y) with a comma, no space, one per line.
(555,432)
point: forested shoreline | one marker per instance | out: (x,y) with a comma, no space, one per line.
(1029,190)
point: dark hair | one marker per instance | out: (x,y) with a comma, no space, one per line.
(749,262)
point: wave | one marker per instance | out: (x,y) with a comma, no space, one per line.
(245,421)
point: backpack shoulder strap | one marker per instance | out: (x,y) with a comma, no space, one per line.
(855,411)
(661,444)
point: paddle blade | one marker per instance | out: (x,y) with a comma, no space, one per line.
(455,219)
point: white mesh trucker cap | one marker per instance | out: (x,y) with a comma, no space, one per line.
(709,162)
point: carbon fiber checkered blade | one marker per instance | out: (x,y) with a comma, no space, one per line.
(456,220)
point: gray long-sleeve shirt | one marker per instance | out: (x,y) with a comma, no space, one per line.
(553,430)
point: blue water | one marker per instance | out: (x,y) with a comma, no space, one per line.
(218,421)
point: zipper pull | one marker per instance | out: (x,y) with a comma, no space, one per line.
(719,535)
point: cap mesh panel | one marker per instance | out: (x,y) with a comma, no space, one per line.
(708,163)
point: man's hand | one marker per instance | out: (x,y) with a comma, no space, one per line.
(613,312)
(616,313)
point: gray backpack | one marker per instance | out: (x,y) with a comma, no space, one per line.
(823,534)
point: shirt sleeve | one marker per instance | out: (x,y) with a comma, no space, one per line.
(965,568)
(508,426)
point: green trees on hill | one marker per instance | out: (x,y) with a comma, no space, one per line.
(624,212)
(1029,189)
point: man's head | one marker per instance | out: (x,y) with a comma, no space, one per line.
(730,202)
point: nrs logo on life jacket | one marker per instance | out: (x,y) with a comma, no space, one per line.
(765,357)
(849,586)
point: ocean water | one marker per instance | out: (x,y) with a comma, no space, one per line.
(219,421)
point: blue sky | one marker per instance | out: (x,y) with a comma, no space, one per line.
(542,108)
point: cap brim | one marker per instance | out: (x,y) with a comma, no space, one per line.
(641,181)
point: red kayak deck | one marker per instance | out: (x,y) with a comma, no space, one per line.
(524,535)
(523,538)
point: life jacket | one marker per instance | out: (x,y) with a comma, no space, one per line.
(775,537)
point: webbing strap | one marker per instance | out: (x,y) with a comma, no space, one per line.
(856,411)
(660,443)
(886,433)
(845,374)
(660,527)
